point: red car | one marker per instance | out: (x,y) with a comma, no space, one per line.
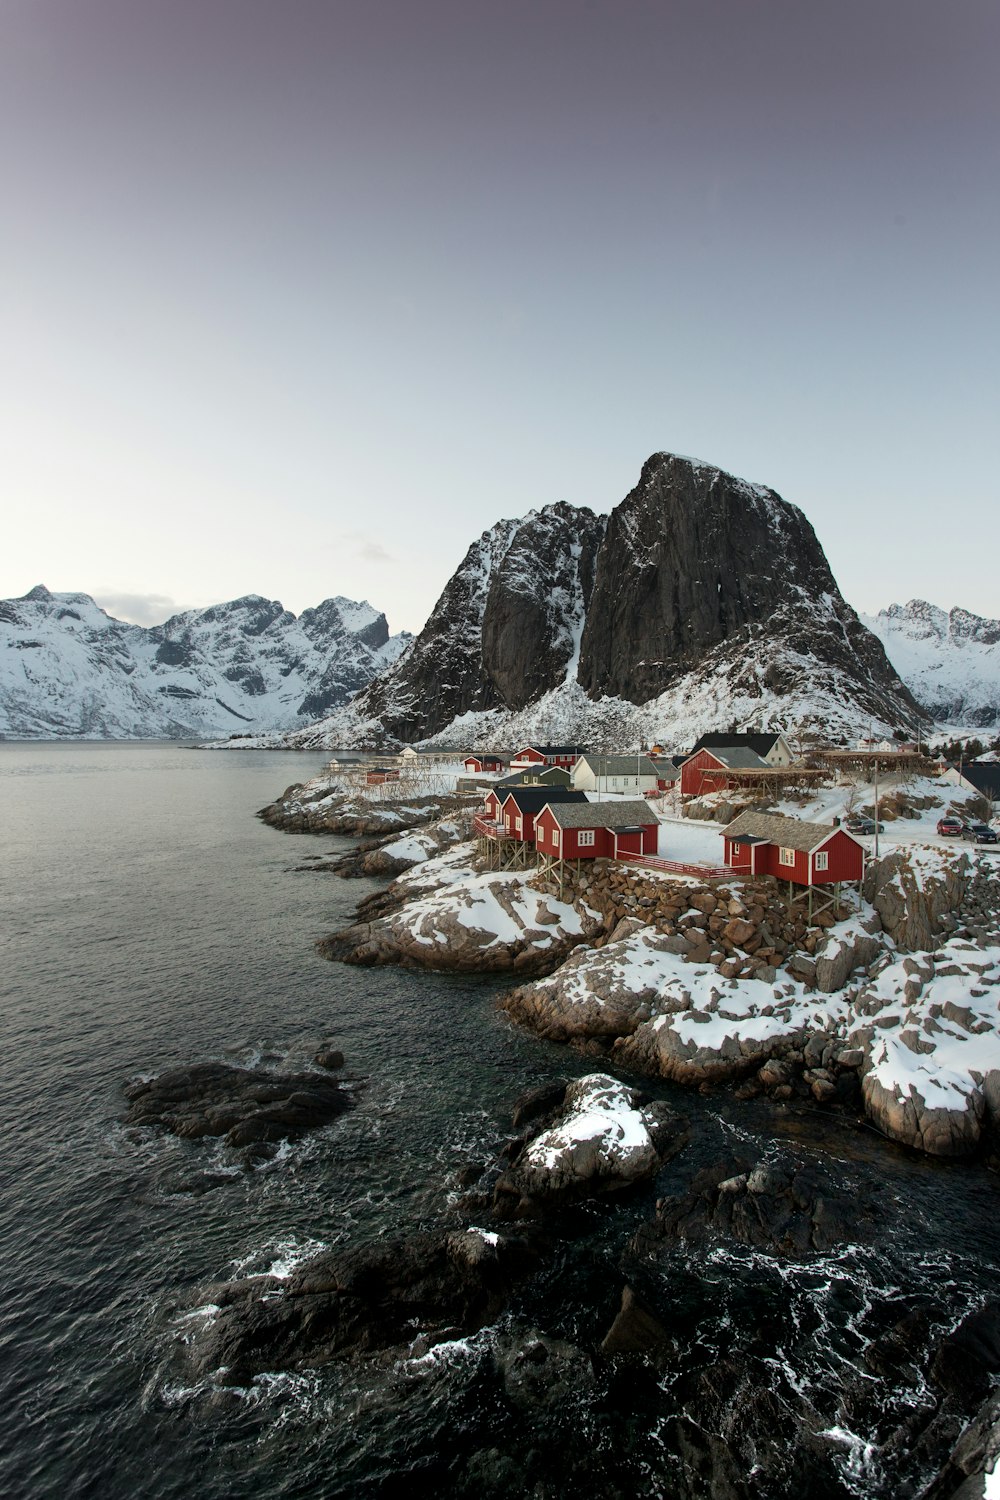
(949,826)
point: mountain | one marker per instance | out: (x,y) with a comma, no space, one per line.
(702,602)
(949,660)
(68,669)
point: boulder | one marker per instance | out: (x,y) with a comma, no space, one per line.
(914,890)
(245,1105)
(605,1137)
(358,1300)
(783,1206)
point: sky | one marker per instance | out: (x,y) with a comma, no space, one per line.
(299,297)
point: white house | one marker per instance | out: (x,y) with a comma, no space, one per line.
(630,774)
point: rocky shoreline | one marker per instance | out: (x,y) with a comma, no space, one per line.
(886,1013)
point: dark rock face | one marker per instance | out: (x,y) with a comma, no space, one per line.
(537,601)
(694,572)
(245,1105)
(694,560)
(502,633)
(784,1208)
(359,1300)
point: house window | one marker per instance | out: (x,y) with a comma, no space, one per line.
(822,861)
(786,856)
(518,825)
(585,838)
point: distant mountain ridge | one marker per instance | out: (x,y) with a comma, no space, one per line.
(70,670)
(701,602)
(950,660)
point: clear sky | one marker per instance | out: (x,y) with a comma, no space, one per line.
(299,297)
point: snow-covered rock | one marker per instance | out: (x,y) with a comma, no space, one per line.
(457,918)
(604,1139)
(69,670)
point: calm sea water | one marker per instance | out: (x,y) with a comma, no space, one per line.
(147,919)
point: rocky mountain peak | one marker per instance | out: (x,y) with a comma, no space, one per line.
(699,587)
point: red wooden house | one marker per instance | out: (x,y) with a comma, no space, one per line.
(596,830)
(710,770)
(378,775)
(539,756)
(807,854)
(477,764)
(520,806)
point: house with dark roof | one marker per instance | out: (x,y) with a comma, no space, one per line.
(807,854)
(547,755)
(520,805)
(979,776)
(771,746)
(596,830)
(485,761)
(708,770)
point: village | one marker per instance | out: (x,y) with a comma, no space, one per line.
(544,805)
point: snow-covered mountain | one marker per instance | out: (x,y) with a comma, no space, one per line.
(950,661)
(701,603)
(68,669)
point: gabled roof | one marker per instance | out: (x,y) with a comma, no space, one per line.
(735,757)
(772,828)
(532,799)
(620,765)
(665,767)
(984,775)
(761,743)
(630,812)
(561,749)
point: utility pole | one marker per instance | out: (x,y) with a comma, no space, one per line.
(875,849)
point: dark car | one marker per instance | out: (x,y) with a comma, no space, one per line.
(981,833)
(950,826)
(858,824)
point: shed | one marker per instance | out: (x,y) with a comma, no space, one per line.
(596,830)
(806,854)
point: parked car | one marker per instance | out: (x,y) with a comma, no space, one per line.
(951,827)
(981,833)
(859,824)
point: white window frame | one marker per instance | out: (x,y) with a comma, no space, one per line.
(585,838)
(821,860)
(786,857)
(518,824)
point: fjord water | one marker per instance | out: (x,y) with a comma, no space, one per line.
(147,919)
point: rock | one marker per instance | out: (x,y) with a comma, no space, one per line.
(538,1101)
(914,890)
(974,1456)
(782,1206)
(968,1359)
(329,1057)
(359,1300)
(635,1330)
(839,954)
(245,1105)
(604,1139)
(543,1373)
(907,1118)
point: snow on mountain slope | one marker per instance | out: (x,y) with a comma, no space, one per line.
(68,669)
(950,661)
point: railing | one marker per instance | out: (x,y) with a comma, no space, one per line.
(487,829)
(676,867)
